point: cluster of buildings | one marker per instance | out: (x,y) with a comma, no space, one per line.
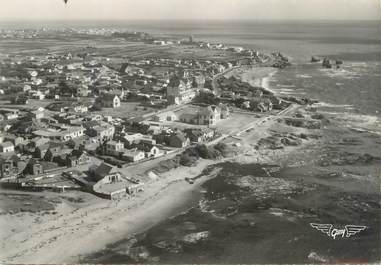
(85,74)
(65,145)
(39,146)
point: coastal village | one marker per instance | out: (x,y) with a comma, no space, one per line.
(125,144)
(190,132)
(79,120)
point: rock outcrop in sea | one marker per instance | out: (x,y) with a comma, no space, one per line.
(315,59)
(326,63)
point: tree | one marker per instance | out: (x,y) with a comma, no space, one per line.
(206,98)
(187,160)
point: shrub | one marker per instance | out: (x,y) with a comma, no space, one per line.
(187,160)
(317,116)
(204,151)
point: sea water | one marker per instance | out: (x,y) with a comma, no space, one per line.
(338,183)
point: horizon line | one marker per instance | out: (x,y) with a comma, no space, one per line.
(185,19)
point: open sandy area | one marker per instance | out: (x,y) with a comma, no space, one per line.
(255,76)
(35,238)
(81,229)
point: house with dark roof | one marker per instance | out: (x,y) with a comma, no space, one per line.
(102,132)
(41,150)
(57,154)
(111,184)
(83,143)
(34,167)
(106,173)
(77,157)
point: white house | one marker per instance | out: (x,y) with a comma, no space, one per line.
(114,148)
(7,147)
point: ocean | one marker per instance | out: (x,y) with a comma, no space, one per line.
(337,183)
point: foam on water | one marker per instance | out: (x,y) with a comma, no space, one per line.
(329,105)
(358,64)
(292,93)
(358,122)
(286,90)
(265,83)
(303,76)
(342,73)
(280,85)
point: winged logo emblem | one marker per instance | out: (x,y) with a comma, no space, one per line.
(325,228)
(354,229)
(347,231)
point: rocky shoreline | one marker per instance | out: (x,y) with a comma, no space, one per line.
(283,180)
(272,201)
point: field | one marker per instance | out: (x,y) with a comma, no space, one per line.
(235,122)
(32,104)
(117,49)
(127,110)
(13,203)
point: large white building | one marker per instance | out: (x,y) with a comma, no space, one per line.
(209,115)
(61,135)
(180,91)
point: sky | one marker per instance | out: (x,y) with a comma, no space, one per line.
(190,9)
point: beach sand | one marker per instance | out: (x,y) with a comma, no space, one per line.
(255,76)
(80,231)
(74,232)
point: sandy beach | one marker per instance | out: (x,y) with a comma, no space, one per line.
(88,229)
(79,231)
(255,76)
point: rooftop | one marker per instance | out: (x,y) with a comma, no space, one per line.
(7,144)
